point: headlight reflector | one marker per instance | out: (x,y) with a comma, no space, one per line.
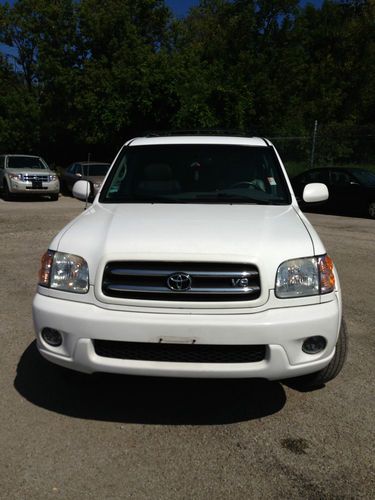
(64,271)
(305,277)
(16,176)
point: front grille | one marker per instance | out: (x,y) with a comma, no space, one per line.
(180,353)
(35,178)
(184,281)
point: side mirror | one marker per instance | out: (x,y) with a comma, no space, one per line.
(314,192)
(82,190)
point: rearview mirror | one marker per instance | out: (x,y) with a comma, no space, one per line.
(314,192)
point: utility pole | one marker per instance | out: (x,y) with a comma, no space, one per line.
(88,173)
(313,144)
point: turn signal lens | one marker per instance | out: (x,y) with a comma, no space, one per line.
(45,268)
(327,278)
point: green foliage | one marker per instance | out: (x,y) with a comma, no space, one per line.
(90,73)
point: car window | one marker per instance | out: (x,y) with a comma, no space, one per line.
(95,169)
(340,178)
(30,162)
(77,169)
(314,176)
(196,173)
(364,177)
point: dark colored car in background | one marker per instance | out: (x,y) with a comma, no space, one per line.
(93,172)
(351,190)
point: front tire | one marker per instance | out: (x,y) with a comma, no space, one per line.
(7,196)
(54,197)
(320,378)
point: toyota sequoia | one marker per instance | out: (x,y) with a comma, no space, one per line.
(194,260)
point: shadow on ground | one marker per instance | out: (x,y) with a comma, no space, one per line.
(27,198)
(142,399)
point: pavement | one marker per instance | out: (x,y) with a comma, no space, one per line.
(109,437)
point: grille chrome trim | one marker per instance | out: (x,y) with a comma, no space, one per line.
(35,177)
(209,281)
(166,273)
(159,289)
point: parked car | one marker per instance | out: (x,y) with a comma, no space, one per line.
(194,260)
(22,175)
(351,190)
(92,172)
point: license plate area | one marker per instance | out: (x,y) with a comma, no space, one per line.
(176,340)
(37,184)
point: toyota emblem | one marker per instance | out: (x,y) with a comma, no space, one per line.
(179,282)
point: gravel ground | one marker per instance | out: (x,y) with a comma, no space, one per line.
(108,437)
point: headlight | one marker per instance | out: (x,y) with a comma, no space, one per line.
(63,271)
(16,176)
(52,178)
(305,277)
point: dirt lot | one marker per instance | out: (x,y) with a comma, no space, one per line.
(120,437)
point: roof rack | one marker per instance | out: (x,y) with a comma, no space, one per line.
(203,132)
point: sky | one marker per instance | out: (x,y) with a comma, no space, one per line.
(180,7)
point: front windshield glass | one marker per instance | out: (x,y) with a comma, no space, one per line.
(28,162)
(364,177)
(95,170)
(196,173)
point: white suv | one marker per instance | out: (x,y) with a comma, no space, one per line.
(27,175)
(194,260)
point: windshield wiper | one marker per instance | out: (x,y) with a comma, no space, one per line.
(154,199)
(225,197)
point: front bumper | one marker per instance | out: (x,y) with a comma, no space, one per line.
(22,187)
(282,330)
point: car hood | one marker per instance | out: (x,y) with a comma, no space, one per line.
(258,234)
(30,171)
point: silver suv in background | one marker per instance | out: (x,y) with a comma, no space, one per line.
(27,175)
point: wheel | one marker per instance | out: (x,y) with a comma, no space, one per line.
(318,379)
(7,196)
(54,197)
(371,209)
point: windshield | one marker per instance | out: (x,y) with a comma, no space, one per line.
(29,162)
(196,173)
(364,177)
(95,170)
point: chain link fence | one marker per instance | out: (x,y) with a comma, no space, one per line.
(332,146)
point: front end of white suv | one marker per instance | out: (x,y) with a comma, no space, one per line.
(208,290)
